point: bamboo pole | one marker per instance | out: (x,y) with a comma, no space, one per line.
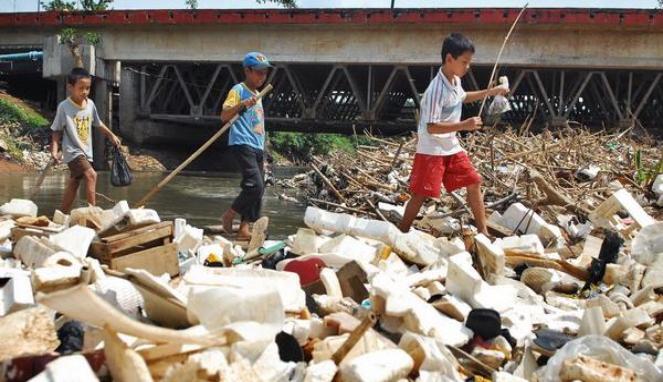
(499,55)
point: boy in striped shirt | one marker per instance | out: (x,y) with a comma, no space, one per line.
(440,159)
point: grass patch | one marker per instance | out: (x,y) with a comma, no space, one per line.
(300,147)
(12,113)
(16,121)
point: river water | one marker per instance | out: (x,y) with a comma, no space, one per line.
(200,198)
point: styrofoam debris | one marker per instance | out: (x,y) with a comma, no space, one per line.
(143,216)
(349,246)
(380,366)
(18,208)
(190,239)
(647,245)
(529,244)
(75,240)
(16,293)
(6,229)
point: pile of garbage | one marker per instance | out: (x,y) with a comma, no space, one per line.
(120,294)
(568,172)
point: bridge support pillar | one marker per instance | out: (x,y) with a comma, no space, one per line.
(129,104)
(106,79)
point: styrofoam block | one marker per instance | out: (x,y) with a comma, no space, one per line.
(498,297)
(111,217)
(492,256)
(16,293)
(143,216)
(603,215)
(417,247)
(287,283)
(527,221)
(463,280)
(33,251)
(450,247)
(525,243)
(380,366)
(305,242)
(60,218)
(220,306)
(73,368)
(190,239)
(323,221)
(19,207)
(647,245)
(411,313)
(350,246)
(331,283)
(6,229)
(75,240)
(392,208)
(321,372)
(657,186)
(178,227)
(437,362)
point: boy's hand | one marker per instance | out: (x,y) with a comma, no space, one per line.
(57,157)
(115,141)
(499,90)
(472,124)
(249,102)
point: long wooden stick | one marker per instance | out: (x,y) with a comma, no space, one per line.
(195,155)
(354,337)
(40,180)
(328,183)
(499,55)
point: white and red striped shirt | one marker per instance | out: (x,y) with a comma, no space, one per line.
(442,102)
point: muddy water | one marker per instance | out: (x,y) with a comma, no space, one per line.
(198,197)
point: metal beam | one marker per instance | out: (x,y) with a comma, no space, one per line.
(647,94)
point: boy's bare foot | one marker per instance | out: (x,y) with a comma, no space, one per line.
(243,233)
(227,222)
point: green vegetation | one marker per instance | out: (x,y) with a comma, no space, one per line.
(645,175)
(299,147)
(12,113)
(15,122)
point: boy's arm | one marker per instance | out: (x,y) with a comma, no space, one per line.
(232,105)
(481,94)
(469,124)
(109,134)
(96,121)
(56,136)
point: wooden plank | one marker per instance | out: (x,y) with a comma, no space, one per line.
(138,239)
(133,232)
(99,250)
(157,261)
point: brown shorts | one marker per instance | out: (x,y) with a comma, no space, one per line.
(78,166)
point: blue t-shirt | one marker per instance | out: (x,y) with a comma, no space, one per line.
(249,128)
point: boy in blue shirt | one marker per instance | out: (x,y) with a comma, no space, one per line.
(247,142)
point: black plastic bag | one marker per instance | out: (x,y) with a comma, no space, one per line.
(120,172)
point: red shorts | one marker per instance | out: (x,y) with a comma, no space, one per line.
(429,172)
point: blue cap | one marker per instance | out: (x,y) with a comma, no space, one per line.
(256,60)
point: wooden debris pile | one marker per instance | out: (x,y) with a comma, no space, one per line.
(567,172)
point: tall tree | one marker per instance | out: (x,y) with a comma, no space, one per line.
(73,37)
(192,4)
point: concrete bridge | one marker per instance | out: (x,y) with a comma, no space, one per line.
(343,69)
